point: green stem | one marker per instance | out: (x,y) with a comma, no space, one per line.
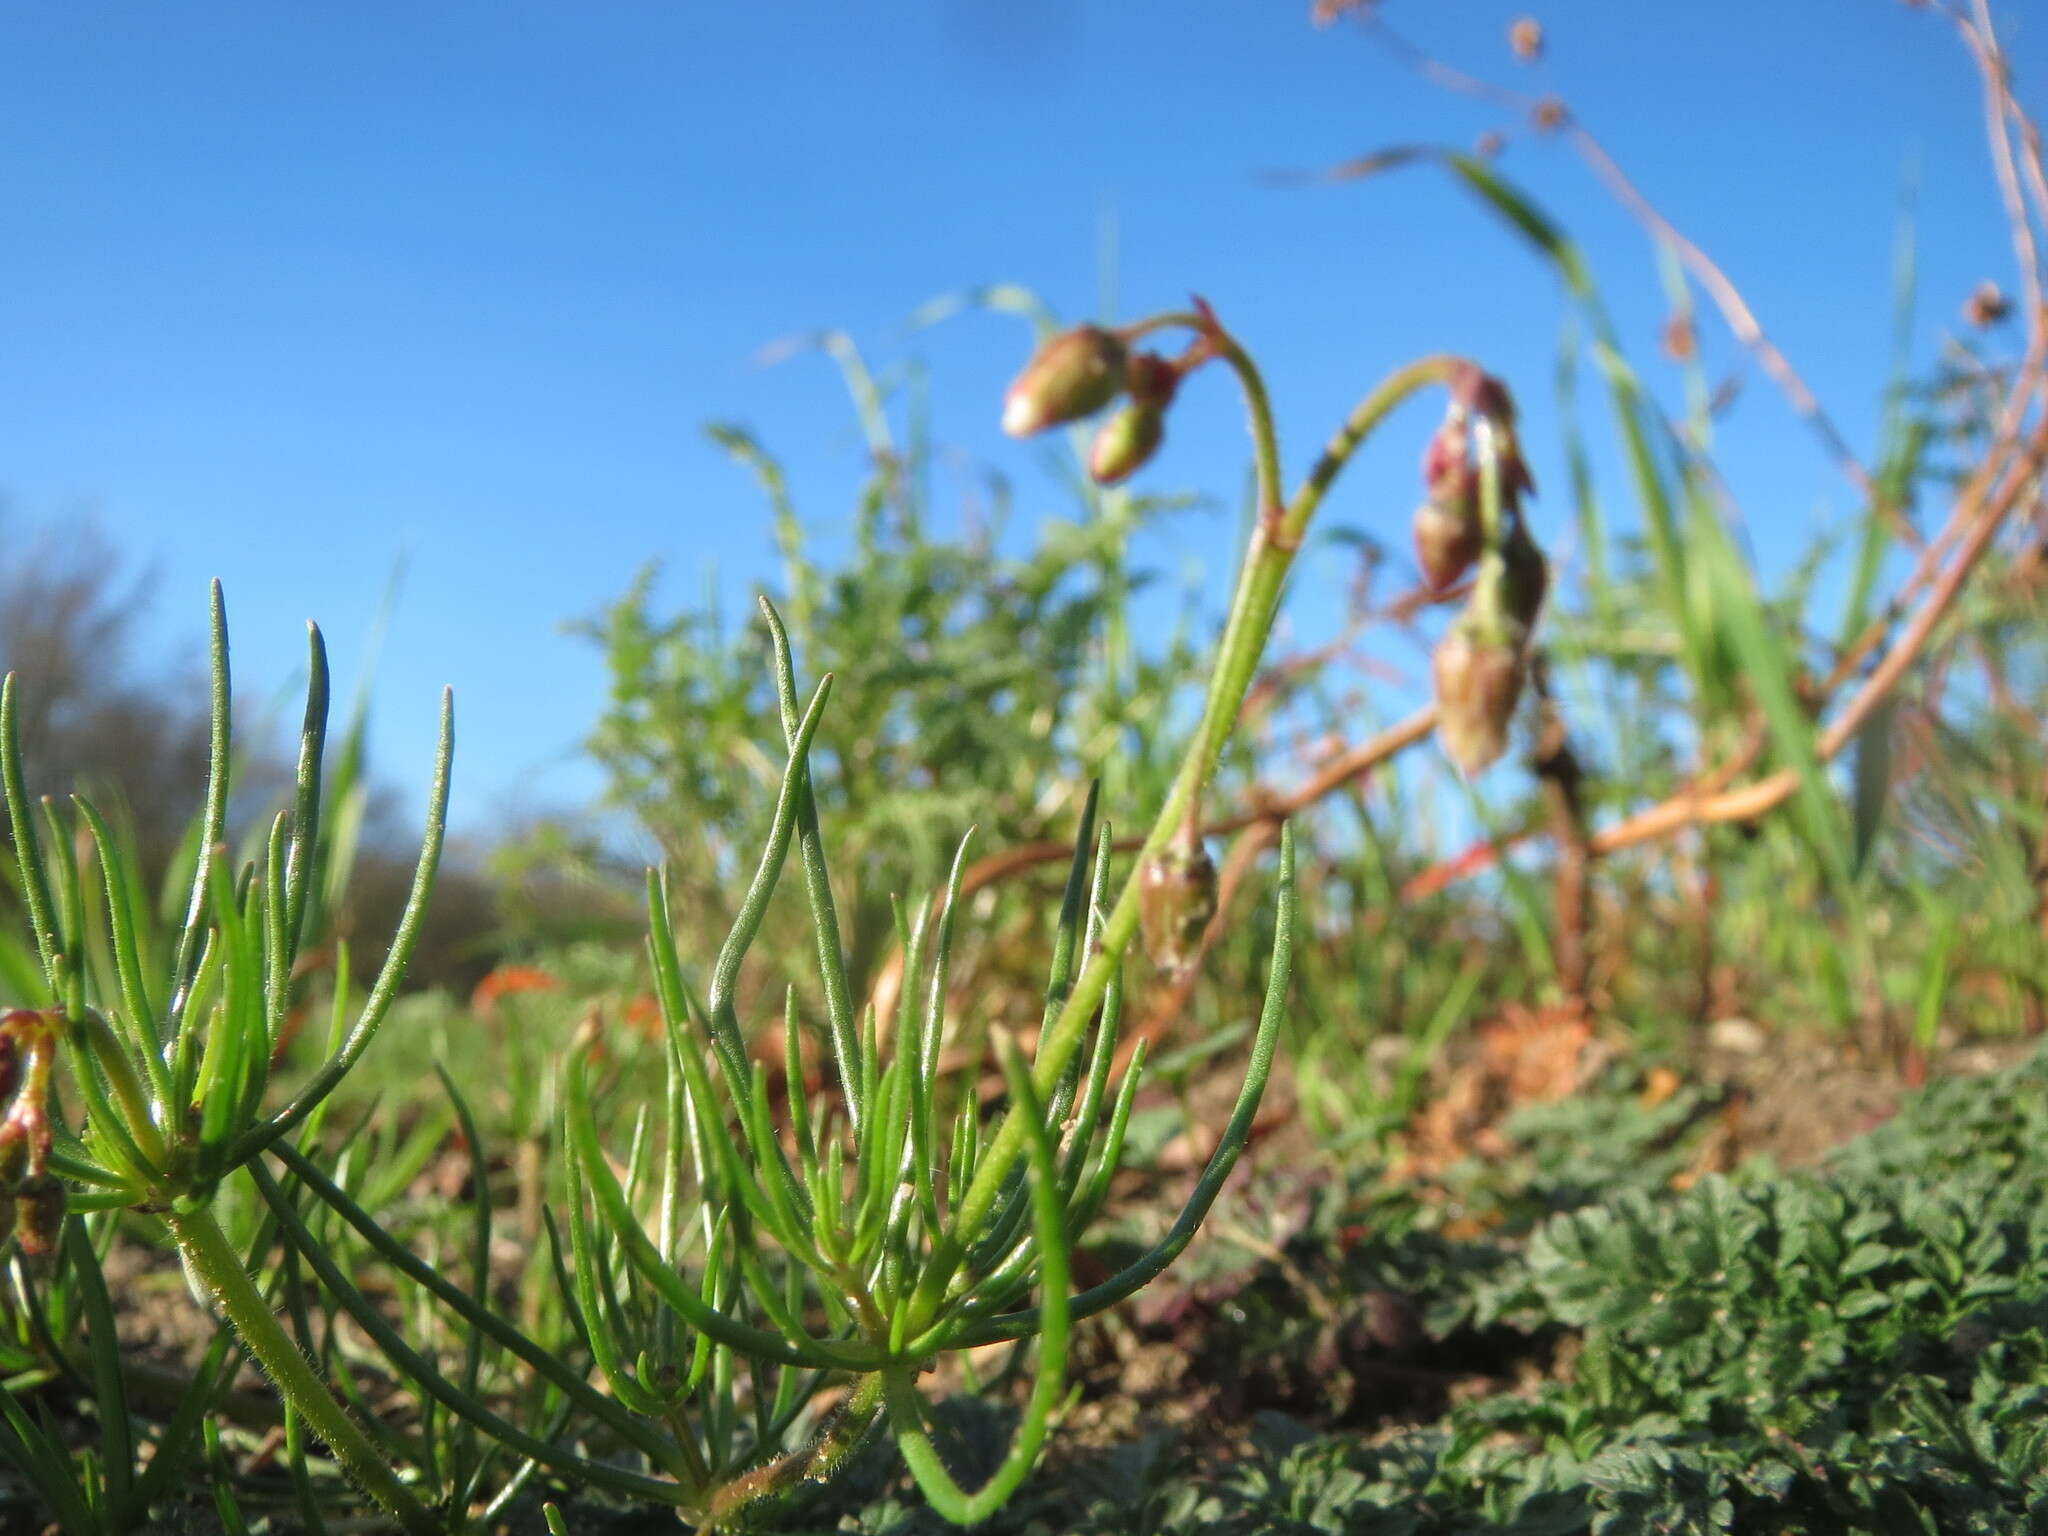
(219,1267)
(1276,537)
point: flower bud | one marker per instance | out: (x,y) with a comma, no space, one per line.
(39,1214)
(1151,380)
(1446,543)
(1525,39)
(1448,478)
(1176,899)
(1126,442)
(1075,374)
(1473,389)
(1478,672)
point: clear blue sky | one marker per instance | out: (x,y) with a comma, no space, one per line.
(286,291)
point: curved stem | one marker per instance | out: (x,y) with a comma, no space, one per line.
(214,1259)
(1365,417)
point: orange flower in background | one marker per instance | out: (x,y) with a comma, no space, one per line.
(643,1016)
(506,980)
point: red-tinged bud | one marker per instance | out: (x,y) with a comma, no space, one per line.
(1525,38)
(1074,375)
(1478,669)
(1176,900)
(1446,543)
(1125,443)
(1446,461)
(1479,392)
(1525,580)
(39,1214)
(1150,379)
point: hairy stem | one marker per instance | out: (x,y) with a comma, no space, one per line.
(219,1267)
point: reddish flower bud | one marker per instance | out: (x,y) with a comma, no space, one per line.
(1525,38)
(1176,900)
(39,1214)
(1074,375)
(1446,543)
(1125,443)
(1151,380)
(1478,670)
(1479,392)
(1447,475)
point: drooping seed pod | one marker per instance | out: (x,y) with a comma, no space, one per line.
(1478,668)
(1074,375)
(39,1208)
(1176,900)
(1447,541)
(1125,443)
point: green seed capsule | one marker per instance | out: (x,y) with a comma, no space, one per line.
(1126,442)
(1074,375)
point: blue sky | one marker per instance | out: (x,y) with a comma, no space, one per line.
(287,292)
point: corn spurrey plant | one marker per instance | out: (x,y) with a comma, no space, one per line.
(170,1037)
(869,1235)
(840,1243)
